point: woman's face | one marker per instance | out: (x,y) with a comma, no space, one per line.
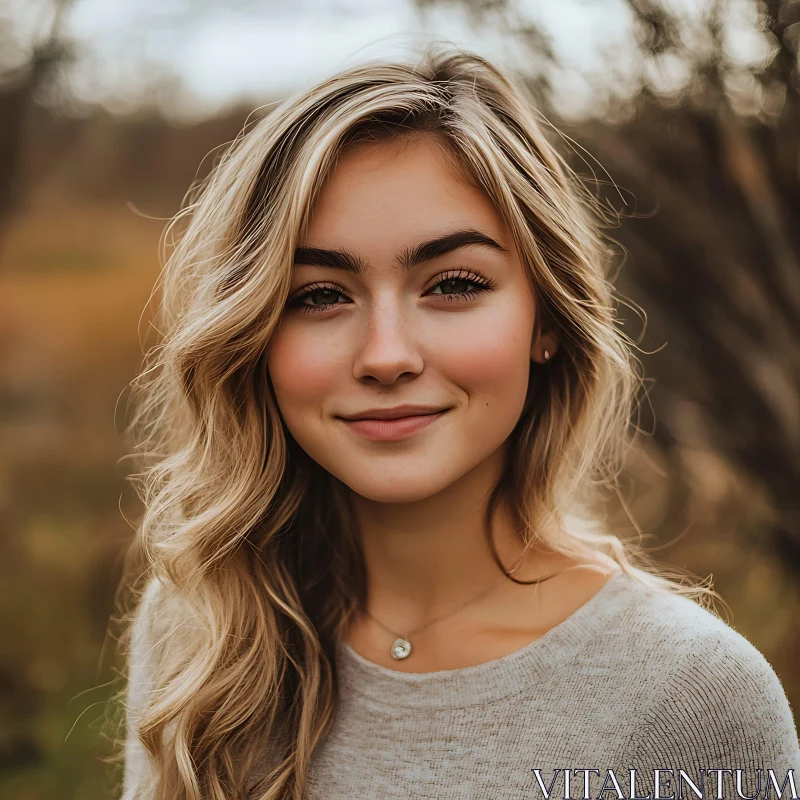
(377,319)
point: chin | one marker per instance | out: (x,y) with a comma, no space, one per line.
(392,489)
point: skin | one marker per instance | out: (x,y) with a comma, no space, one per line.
(389,337)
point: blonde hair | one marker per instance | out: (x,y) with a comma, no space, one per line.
(247,558)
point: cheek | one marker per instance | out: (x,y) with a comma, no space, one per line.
(490,357)
(303,369)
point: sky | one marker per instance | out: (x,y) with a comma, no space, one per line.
(197,57)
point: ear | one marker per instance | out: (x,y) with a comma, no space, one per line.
(546,341)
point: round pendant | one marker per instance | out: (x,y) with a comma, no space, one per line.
(401,648)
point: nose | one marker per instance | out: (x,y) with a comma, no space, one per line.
(389,348)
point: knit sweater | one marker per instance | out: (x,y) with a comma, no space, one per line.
(638,693)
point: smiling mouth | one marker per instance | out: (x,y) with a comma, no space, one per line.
(385,430)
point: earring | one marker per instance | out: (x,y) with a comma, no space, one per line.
(546,355)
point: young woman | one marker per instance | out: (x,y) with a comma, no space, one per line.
(390,393)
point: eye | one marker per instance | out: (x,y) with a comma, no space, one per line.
(319,290)
(453,280)
(459,278)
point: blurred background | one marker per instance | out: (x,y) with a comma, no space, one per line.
(683,114)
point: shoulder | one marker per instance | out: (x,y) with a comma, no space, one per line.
(707,693)
(143,629)
(143,637)
(144,614)
(676,628)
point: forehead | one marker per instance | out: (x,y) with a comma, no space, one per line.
(385,195)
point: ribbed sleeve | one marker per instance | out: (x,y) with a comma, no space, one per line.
(721,707)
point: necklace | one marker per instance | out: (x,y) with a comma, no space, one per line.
(401,646)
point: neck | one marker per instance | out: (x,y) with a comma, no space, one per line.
(425,559)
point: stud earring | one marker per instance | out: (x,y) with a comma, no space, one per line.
(546,355)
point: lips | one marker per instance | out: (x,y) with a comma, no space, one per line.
(385,430)
(397,412)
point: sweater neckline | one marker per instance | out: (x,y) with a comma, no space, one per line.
(491,680)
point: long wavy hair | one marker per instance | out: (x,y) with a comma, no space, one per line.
(246,567)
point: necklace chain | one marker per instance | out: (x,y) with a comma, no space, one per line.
(401,647)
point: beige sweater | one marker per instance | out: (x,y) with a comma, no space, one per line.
(631,683)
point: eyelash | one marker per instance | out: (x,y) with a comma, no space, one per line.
(481,283)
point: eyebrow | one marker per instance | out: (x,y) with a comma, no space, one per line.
(409,258)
